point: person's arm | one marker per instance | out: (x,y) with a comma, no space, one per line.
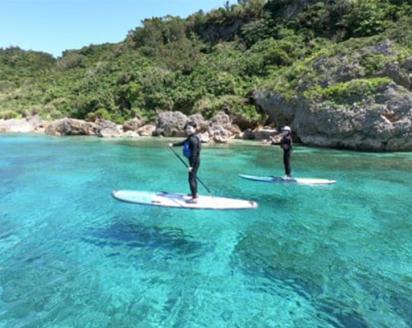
(176,144)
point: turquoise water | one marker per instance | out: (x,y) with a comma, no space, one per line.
(71,256)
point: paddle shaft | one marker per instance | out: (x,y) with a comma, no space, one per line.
(187,166)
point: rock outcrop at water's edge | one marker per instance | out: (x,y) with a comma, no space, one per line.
(146,130)
(344,107)
(219,129)
(27,125)
(382,122)
(171,124)
(133,125)
(70,126)
(108,129)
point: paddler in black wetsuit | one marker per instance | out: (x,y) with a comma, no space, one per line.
(286,144)
(191,150)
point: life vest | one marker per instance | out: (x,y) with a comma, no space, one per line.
(187,152)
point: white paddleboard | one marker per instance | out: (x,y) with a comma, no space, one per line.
(302,181)
(166,199)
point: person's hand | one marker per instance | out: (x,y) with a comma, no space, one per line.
(170,145)
(190,169)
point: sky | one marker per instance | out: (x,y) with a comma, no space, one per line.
(56,25)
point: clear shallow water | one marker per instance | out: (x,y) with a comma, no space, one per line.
(71,256)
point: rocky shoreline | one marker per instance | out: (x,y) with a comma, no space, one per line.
(378,122)
(219,129)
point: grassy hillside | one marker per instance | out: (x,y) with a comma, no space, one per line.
(209,61)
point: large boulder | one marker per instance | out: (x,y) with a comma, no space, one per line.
(70,126)
(219,134)
(204,137)
(133,124)
(171,124)
(146,130)
(221,129)
(201,123)
(130,134)
(244,122)
(400,74)
(107,129)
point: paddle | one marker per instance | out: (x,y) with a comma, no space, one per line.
(187,166)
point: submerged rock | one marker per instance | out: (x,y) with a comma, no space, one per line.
(307,267)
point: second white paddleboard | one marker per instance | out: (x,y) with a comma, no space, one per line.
(302,181)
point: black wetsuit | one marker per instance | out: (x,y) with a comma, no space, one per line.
(194,160)
(286,144)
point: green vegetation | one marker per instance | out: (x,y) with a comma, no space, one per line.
(348,92)
(8,114)
(213,61)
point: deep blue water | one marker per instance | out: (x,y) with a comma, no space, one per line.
(71,256)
